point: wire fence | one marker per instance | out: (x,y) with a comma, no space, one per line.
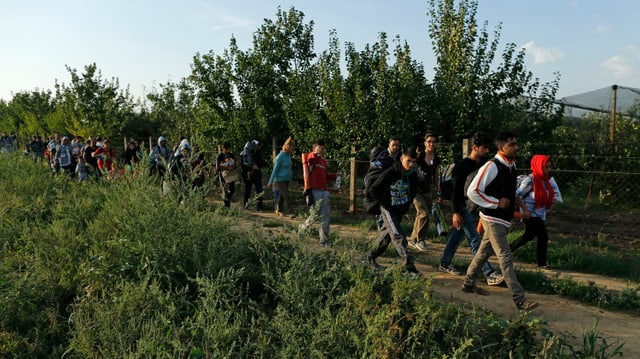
(596,204)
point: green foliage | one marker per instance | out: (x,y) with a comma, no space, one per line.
(471,93)
(116,269)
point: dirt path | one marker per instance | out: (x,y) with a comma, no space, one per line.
(561,315)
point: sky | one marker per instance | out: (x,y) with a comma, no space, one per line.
(145,43)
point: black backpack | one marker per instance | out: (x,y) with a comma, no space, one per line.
(376,167)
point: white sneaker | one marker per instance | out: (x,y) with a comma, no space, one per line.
(419,246)
(449,269)
(495,278)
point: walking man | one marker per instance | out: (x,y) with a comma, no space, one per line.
(464,220)
(494,190)
(320,190)
(427,170)
(395,189)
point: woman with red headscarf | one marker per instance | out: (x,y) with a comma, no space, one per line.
(538,191)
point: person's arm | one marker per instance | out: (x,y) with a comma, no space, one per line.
(557,196)
(476,191)
(459,178)
(276,167)
(380,187)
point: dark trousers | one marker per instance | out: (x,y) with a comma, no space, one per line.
(391,231)
(257,183)
(535,227)
(228,189)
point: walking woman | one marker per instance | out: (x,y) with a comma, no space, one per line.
(280,178)
(538,191)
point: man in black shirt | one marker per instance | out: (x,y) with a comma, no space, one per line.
(464,221)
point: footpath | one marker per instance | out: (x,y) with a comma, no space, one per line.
(561,315)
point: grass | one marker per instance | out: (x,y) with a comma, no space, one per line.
(115,269)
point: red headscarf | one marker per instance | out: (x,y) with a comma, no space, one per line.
(544,196)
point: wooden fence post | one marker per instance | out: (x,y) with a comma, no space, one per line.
(466,147)
(352,182)
(274,153)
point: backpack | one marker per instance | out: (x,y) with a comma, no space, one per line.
(472,207)
(376,167)
(519,182)
(445,182)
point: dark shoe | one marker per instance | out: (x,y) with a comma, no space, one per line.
(326,244)
(474,289)
(413,271)
(373,264)
(525,304)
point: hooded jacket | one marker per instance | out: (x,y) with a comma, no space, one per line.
(395,189)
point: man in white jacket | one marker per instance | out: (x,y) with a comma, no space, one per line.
(494,190)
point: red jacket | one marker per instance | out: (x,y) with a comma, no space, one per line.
(319,174)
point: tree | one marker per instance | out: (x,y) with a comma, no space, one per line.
(90,105)
(470,94)
(27,112)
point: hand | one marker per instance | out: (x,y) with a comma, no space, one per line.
(457,221)
(268,185)
(504,203)
(526,213)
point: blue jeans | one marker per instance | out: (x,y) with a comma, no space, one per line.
(469,221)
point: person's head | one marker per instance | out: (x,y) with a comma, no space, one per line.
(162,141)
(226,147)
(65,140)
(507,144)
(4,134)
(288,146)
(106,144)
(186,151)
(318,148)
(394,145)
(480,143)
(541,166)
(430,142)
(131,145)
(408,158)
(374,153)
(256,145)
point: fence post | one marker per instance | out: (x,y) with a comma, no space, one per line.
(274,153)
(352,182)
(466,147)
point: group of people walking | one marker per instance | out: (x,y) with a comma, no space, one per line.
(481,188)
(485,190)
(79,158)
